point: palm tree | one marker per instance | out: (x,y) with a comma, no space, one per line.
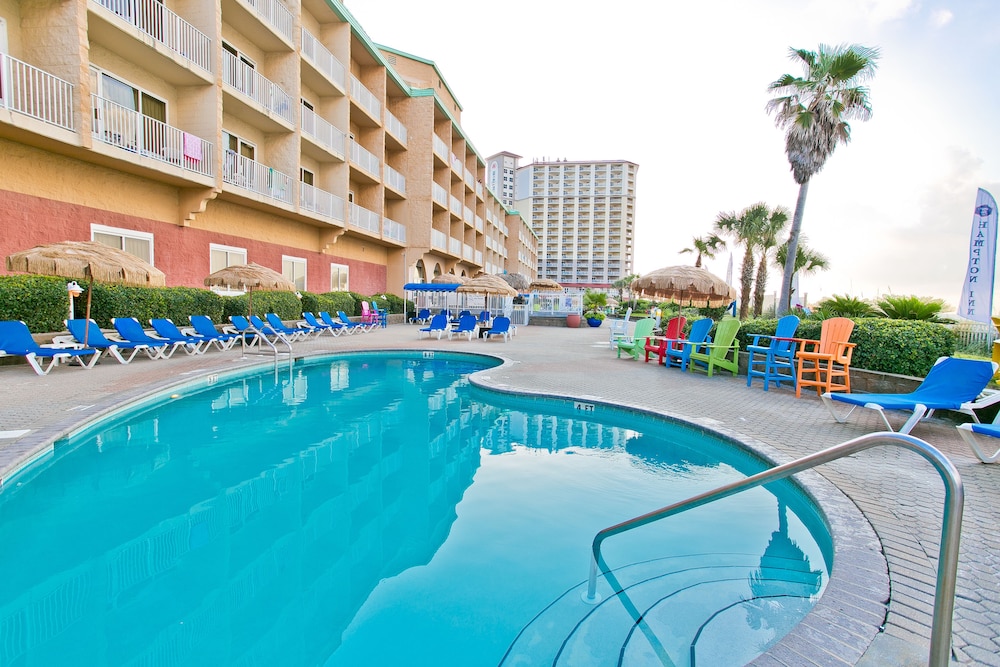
(807,260)
(623,284)
(705,246)
(745,228)
(774,224)
(814,110)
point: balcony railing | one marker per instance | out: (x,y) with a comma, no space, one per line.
(324,61)
(467,252)
(365,98)
(440,147)
(257,87)
(362,218)
(455,247)
(275,15)
(364,159)
(479,189)
(456,206)
(439,240)
(456,164)
(166,27)
(439,194)
(322,132)
(468,215)
(479,224)
(129,129)
(393,230)
(395,127)
(36,93)
(479,257)
(256,177)
(395,180)
(324,203)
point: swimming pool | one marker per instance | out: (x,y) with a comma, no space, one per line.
(376,509)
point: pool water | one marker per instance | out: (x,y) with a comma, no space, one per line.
(376,509)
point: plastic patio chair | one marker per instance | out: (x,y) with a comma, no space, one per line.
(619,328)
(723,351)
(466,327)
(673,336)
(772,358)
(696,337)
(438,325)
(821,361)
(122,350)
(16,340)
(635,344)
(501,327)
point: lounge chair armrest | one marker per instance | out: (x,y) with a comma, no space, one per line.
(65,343)
(987,398)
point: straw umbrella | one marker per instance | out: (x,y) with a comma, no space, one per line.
(448,279)
(87,260)
(544,285)
(487,284)
(518,281)
(250,277)
(686,285)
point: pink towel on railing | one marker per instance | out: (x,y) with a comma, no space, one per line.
(192,147)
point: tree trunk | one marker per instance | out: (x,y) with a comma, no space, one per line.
(793,245)
(746,282)
(760,286)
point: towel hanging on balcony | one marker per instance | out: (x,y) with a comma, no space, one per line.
(192,147)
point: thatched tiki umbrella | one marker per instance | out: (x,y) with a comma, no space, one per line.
(486,284)
(544,285)
(518,281)
(250,277)
(448,279)
(686,285)
(87,260)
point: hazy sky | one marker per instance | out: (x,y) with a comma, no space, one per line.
(680,87)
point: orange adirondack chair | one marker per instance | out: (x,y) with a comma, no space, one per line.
(673,333)
(821,361)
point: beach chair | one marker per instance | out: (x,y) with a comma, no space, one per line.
(722,352)
(970,433)
(16,340)
(310,320)
(352,327)
(325,318)
(166,329)
(951,384)
(423,316)
(696,338)
(466,327)
(369,315)
(619,328)
(122,350)
(131,329)
(821,361)
(501,327)
(673,336)
(204,326)
(635,344)
(772,358)
(292,333)
(438,325)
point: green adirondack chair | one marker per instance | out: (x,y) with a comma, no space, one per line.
(635,345)
(723,351)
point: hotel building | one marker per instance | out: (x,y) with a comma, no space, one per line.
(200,134)
(583,214)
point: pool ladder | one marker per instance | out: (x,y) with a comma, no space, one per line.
(951,528)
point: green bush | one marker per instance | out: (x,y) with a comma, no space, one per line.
(284,304)
(41,301)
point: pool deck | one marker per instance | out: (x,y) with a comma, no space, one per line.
(899,493)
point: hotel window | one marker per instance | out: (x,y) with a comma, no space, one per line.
(338,278)
(139,244)
(124,114)
(294,269)
(223,256)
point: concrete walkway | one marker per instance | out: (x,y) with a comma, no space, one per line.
(899,494)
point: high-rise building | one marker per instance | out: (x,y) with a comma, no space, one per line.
(203,134)
(583,214)
(501,170)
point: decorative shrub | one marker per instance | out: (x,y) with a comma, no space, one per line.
(284,304)
(41,301)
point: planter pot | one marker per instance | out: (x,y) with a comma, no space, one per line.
(594,322)
(573,321)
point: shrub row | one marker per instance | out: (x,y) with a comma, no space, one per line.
(43,303)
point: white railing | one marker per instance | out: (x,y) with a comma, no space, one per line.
(322,132)
(129,129)
(36,93)
(456,205)
(364,159)
(479,257)
(395,127)
(256,86)
(275,15)
(479,189)
(395,180)
(166,27)
(974,336)
(321,202)
(467,252)
(439,194)
(455,247)
(364,219)
(479,224)
(259,178)
(456,164)
(439,240)
(393,230)
(440,147)
(365,98)
(324,61)
(470,178)
(468,215)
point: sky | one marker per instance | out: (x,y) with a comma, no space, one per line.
(680,89)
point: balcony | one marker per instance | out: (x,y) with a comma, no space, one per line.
(267,23)
(439,195)
(479,257)
(467,252)
(265,95)
(322,135)
(364,219)
(455,206)
(455,247)
(366,100)
(395,129)
(440,148)
(258,178)
(439,240)
(468,216)
(364,160)
(141,135)
(394,179)
(35,93)
(324,204)
(324,71)
(394,231)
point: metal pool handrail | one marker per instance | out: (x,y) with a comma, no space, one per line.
(951,524)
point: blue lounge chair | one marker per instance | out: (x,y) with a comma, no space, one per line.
(241,326)
(438,325)
(769,356)
(466,327)
(131,329)
(204,326)
(967,432)
(484,318)
(352,327)
(951,384)
(326,318)
(696,340)
(320,327)
(292,333)
(16,340)
(122,350)
(501,327)
(167,330)
(423,316)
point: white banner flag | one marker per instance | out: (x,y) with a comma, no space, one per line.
(977,292)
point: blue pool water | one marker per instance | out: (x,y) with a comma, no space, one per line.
(378,510)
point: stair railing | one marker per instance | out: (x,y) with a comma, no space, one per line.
(951,524)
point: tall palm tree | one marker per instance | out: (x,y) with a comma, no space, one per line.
(813,110)
(705,246)
(774,225)
(807,260)
(744,227)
